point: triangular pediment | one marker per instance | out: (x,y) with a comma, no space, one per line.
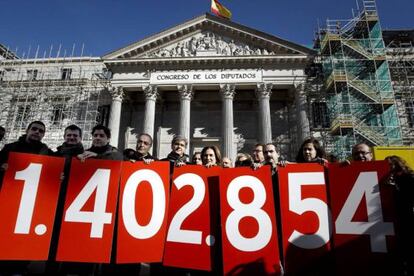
(209,36)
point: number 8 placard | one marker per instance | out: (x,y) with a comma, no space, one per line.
(249,232)
(28,202)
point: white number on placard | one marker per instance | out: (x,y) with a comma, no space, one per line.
(31,177)
(158,202)
(375,227)
(252,209)
(175,233)
(98,217)
(299,206)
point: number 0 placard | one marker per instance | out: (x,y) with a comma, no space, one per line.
(143,205)
(28,202)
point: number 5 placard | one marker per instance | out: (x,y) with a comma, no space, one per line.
(306,229)
(28,202)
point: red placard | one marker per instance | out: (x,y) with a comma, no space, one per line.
(306,228)
(142,215)
(28,202)
(363,213)
(90,205)
(191,219)
(249,232)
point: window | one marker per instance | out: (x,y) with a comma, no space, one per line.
(32,74)
(409,107)
(103,115)
(66,73)
(57,115)
(320,115)
(1,75)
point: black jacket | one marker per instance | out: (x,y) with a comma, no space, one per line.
(24,147)
(107,152)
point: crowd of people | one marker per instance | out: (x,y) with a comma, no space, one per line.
(311,151)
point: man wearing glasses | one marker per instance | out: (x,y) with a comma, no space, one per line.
(361,152)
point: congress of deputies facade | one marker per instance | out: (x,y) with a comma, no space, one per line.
(211,80)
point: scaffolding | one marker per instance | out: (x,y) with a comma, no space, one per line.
(357,83)
(58,91)
(400,56)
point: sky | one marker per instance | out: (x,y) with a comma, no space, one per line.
(103,26)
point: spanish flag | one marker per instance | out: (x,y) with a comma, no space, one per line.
(219,10)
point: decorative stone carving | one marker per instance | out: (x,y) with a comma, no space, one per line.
(264,90)
(208,43)
(186,91)
(117,93)
(228,91)
(151,92)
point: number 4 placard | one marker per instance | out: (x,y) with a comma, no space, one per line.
(87,223)
(363,212)
(28,202)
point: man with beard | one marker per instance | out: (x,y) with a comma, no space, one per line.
(101,149)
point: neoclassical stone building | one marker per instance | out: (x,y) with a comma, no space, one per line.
(213,81)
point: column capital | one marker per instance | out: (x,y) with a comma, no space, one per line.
(228,91)
(264,90)
(300,86)
(150,92)
(117,93)
(186,91)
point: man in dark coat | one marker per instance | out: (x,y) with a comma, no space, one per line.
(144,144)
(101,149)
(27,143)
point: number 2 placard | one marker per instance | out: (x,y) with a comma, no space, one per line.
(190,236)
(90,205)
(28,202)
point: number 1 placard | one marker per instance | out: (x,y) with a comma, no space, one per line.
(88,219)
(28,202)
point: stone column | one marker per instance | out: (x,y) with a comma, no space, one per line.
(263,93)
(117,95)
(186,95)
(301,114)
(227,93)
(151,94)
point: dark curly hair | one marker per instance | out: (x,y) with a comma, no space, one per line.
(320,152)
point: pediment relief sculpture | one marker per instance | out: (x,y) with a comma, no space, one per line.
(208,44)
